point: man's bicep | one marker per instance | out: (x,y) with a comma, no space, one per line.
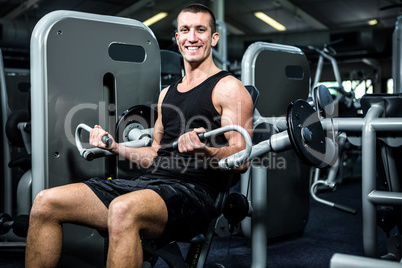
(238,111)
(158,126)
(158,134)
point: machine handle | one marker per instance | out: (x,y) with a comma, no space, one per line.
(201,136)
(106,140)
(235,160)
(345,209)
(89,154)
(328,203)
(92,153)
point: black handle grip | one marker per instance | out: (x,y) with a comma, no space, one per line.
(201,136)
(345,209)
(107,141)
(88,155)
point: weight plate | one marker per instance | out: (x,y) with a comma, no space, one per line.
(139,116)
(306,133)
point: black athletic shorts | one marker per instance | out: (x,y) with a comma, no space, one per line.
(190,207)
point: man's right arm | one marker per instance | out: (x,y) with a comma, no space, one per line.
(142,156)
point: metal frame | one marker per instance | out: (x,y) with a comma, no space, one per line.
(258,230)
(5,112)
(369,127)
(222,53)
(250,57)
(10,240)
(349,261)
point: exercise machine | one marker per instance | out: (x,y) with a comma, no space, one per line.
(15,147)
(104,86)
(87,68)
(345,106)
(381,127)
(170,251)
(281,73)
(382,123)
(303,133)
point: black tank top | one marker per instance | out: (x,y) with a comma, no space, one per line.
(182,112)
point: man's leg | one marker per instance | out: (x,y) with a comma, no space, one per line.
(132,216)
(73,203)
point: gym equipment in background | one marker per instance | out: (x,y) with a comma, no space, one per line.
(85,68)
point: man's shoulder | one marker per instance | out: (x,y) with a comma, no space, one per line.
(229,83)
(230,89)
(162,94)
(164,90)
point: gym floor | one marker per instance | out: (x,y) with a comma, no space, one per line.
(327,232)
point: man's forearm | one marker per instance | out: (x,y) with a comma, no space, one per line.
(216,154)
(142,157)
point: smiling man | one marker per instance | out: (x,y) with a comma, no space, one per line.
(196,35)
(175,198)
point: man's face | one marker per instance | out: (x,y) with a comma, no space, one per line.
(194,36)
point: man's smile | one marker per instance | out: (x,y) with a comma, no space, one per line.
(193,48)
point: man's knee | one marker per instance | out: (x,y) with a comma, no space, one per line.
(120,209)
(143,212)
(43,204)
(129,211)
(121,216)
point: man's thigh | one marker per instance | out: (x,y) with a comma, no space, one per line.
(75,203)
(144,207)
(189,208)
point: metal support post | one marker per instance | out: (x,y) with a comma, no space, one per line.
(368,180)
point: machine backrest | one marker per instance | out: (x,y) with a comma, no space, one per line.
(86,68)
(172,67)
(281,74)
(254,93)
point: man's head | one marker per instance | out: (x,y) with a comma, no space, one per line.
(196,33)
(199,8)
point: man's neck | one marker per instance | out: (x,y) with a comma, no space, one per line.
(196,75)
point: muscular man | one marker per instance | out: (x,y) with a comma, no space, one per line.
(176,196)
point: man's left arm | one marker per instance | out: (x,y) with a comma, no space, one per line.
(236,109)
(234,103)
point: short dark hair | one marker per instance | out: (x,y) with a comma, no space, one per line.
(200,8)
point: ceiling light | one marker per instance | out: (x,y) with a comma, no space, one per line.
(270,21)
(372,22)
(155,18)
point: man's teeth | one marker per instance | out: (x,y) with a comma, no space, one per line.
(192,48)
